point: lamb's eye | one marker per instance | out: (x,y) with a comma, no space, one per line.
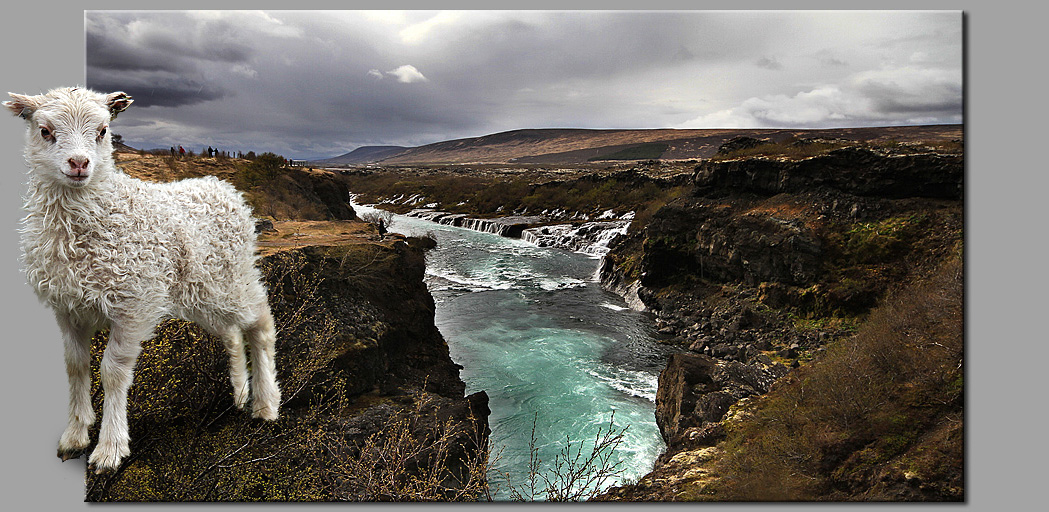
(102,133)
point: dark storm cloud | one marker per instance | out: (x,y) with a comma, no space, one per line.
(322,83)
(169,41)
(162,59)
(157,89)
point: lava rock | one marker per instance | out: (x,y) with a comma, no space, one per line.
(696,390)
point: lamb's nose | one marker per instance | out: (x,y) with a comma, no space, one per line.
(78,163)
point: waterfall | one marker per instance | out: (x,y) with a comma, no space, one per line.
(510,227)
(590,238)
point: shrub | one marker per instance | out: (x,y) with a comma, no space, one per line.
(259,171)
(791,148)
(485,195)
(826,430)
(377,218)
(573,476)
(398,464)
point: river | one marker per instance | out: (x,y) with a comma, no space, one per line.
(532,327)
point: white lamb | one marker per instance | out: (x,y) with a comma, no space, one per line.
(103,249)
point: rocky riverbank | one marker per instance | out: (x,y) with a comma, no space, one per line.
(761,268)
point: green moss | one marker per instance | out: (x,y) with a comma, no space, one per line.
(826,323)
(647,151)
(871,242)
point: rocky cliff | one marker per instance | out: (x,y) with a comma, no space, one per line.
(763,266)
(364,373)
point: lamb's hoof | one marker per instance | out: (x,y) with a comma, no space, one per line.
(240,399)
(101,470)
(69,454)
(104,461)
(265,413)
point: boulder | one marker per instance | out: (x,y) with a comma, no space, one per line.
(696,390)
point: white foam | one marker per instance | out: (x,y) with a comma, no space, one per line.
(561,284)
(472,284)
(632,382)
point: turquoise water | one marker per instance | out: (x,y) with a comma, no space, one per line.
(533,329)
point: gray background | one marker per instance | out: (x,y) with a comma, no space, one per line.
(43,48)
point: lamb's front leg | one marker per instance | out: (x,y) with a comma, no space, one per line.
(117,369)
(76,337)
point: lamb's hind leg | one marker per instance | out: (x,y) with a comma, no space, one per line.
(262,339)
(117,369)
(76,337)
(238,365)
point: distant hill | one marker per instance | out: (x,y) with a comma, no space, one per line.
(363,155)
(554,146)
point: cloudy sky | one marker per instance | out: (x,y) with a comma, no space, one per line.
(314,84)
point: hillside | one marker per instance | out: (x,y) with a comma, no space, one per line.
(579,146)
(363,155)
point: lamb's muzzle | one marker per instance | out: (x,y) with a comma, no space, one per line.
(102,250)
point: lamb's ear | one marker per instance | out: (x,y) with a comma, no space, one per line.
(23,106)
(118,102)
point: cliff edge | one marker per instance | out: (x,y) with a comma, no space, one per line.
(775,274)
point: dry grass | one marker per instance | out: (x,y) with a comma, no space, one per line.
(830,430)
(272,190)
(163,168)
(291,234)
(408,460)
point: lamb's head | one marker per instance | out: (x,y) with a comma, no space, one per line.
(68,141)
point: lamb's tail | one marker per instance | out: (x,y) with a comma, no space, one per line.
(262,339)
